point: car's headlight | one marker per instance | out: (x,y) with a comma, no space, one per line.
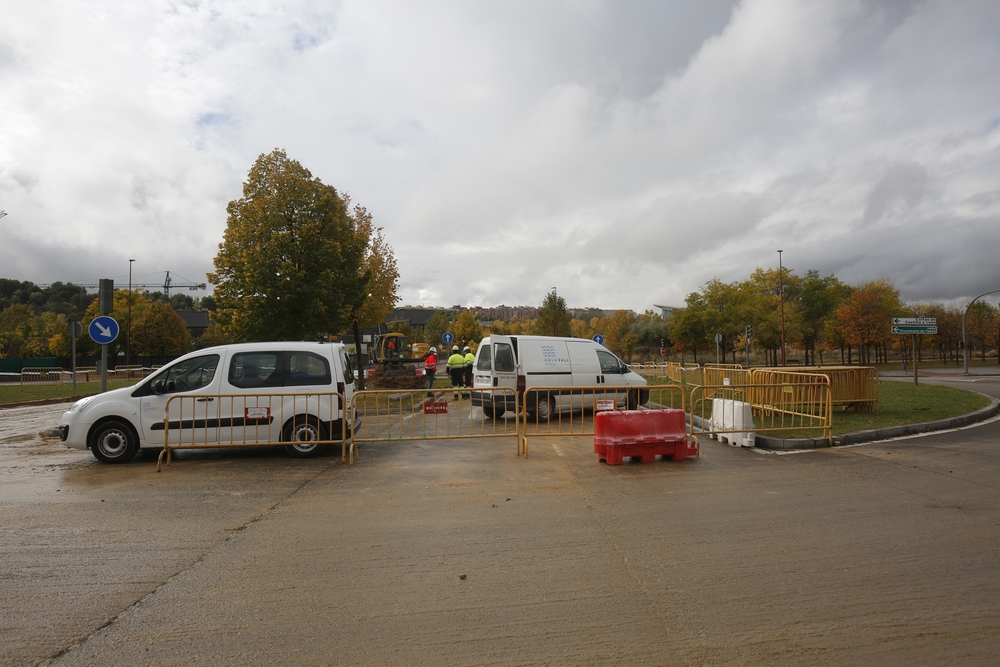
(81,403)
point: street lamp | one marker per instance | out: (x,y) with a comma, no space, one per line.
(965,339)
(781,291)
(128,326)
(3,213)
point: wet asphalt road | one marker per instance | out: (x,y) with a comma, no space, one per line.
(883,553)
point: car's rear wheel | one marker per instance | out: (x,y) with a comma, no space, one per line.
(540,410)
(114,442)
(304,432)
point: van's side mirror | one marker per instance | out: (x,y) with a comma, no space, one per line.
(158,387)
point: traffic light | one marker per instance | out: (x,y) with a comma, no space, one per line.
(106,296)
(749,331)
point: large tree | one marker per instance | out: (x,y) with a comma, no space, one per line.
(553,318)
(160,331)
(378,265)
(290,264)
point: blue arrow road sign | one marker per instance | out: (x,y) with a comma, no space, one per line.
(103,329)
(599,339)
(448,336)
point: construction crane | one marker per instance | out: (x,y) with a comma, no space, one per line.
(167,284)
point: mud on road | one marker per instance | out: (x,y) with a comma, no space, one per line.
(876,554)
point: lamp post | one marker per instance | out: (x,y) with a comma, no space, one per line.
(781,291)
(128,326)
(965,339)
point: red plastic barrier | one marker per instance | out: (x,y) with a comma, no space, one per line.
(642,435)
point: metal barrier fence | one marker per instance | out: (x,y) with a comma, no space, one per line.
(569,411)
(87,374)
(405,414)
(725,374)
(129,373)
(650,369)
(781,402)
(35,377)
(673,371)
(301,422)
(853,387)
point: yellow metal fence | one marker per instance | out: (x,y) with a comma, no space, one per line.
(854,387)
(301,421)
(33,377)
(395,414)
(783,403)
(569,411)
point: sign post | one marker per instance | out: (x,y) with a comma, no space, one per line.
(718,339)
(915,326)
(74,329)
(103,330)
(749,334)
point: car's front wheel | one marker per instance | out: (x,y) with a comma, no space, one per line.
(114,441)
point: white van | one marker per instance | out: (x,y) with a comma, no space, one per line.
(221,382)
(523,362)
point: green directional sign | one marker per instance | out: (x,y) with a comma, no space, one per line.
(914,329)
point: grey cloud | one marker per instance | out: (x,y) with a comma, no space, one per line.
(902,185)
(625,152)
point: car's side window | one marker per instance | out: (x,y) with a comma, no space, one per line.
(189,375)
(609,363)
(250,370)
(504,362)
(306,369)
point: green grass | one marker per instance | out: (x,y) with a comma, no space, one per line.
(900,403)
(14,393)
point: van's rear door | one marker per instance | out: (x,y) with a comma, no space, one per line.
(495,364)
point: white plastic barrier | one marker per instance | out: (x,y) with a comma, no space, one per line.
(735,418)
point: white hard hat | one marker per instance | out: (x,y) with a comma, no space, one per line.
(433,349)
(455,348)
(466,349)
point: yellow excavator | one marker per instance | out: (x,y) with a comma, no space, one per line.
(396,354)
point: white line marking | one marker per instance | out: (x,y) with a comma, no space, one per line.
(877,442)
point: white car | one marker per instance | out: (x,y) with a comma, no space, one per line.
(230,394)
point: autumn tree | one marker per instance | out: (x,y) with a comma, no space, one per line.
(980,324)
(553,317)
(290,266)
(120,312)
(865,318)
(435,327)
(160,331)
(818,300)
(378,266)
(468,329)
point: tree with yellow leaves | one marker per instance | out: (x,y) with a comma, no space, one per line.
(290,266)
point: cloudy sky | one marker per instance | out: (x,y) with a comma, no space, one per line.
(622,151)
